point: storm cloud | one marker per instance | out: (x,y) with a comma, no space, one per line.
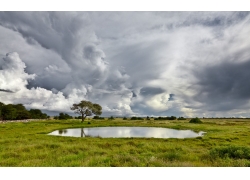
(225,86)
(131,63)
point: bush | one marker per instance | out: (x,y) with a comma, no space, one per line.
(195,120)
(98,117)
(136,118)
(124,118)
(235,152)
(181,118)
(64,116)
(111,118)
(165,118)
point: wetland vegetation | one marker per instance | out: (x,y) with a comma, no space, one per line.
(26,144)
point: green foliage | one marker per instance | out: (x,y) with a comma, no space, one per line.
(136,118)
(195,120)
(111,118)
(18,112)
(125,118)
(235,152)
(64,116)
(98,117)
(86,108)
(148,118)
(9,112)
(22,113)
(181,118)
(1,105)
(165,118)
(78,117)
(37,114)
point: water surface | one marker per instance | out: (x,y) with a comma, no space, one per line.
(127,132)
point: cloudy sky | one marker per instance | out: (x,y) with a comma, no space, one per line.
(131,63)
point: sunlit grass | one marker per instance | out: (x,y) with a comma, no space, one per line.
(226,143)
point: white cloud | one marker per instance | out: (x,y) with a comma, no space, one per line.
(12,75)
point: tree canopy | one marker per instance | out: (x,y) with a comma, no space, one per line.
(19,112)
(86,108)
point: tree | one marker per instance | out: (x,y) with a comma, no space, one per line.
(1,106)
(9,112)
(22,113)
(86,108)
(64,116)
(37,114)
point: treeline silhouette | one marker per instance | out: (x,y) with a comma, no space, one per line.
(19,112)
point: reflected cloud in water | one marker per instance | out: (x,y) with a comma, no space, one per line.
(127,132)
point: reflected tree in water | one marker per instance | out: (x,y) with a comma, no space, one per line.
(62,131)
(82,133)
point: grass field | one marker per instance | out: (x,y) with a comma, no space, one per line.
(26,144)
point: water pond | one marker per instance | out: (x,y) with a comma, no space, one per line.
(127,132)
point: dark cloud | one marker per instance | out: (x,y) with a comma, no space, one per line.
(134,95)
(8,91)
(149,91)
(224,86)
(171,97)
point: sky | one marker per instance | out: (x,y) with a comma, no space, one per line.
(132,63)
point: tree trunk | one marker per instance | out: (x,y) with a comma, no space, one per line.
(83,117)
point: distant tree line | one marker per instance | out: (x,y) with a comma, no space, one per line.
(136,118)
(165,118)
(19,112)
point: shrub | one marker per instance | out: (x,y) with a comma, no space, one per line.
(111,118)
(165,118)
(124,118)
(181,118)
(195,120)
(235,152)
(64,116)
(98,117)
(136,118)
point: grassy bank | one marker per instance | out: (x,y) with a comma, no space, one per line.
(25,144)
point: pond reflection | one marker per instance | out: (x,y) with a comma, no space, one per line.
(127,132)
(62,131)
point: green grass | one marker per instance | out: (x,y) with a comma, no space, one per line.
(226,143)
